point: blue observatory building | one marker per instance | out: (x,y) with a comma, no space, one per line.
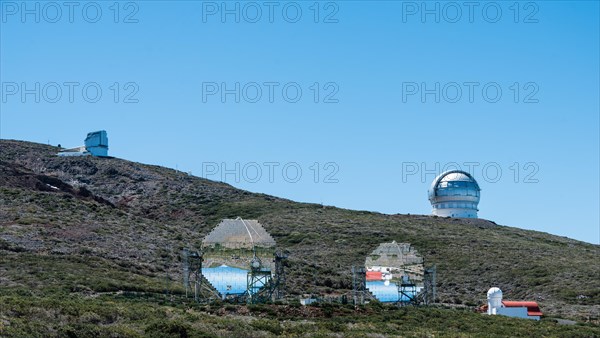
(454,193)
(96,144)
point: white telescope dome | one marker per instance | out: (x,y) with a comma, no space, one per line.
(494,292)
(494,297)
(454,193)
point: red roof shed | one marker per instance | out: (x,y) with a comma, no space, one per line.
(533,309)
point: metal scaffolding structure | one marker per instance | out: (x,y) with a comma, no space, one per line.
(428,294)
(192,272)
(193,281)
(259,286)
(280,276)
(263,285)
(360,293)
(407,292)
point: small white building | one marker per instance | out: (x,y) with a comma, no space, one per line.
(518,309)
(307,301)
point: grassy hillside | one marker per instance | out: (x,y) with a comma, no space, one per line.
(125,315)
(89,227)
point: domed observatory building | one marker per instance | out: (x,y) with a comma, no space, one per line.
(454,193)
(519,309)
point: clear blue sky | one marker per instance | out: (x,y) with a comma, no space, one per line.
(371,60)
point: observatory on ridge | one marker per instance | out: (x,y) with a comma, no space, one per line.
(238,262)
(454,193)
(96,144)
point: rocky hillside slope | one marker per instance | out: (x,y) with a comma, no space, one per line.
(85,224)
